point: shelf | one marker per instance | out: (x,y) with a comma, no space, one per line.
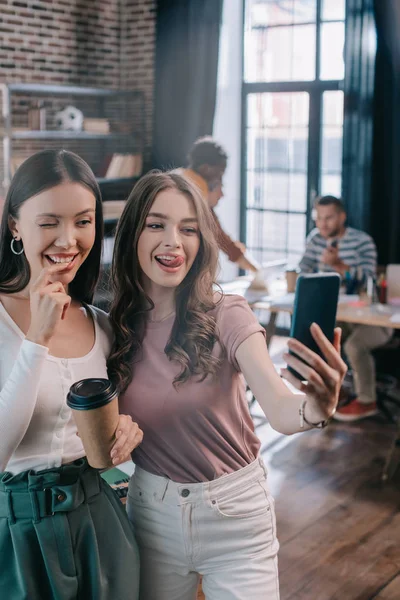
(44,89)
(133,137)
(66,135)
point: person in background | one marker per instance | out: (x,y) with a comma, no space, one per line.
(332,246)
(207,164)
(63,532)
(199,498)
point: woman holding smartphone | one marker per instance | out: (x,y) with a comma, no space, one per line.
(199,498)
(63,532)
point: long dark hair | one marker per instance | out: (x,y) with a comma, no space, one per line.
(194,332)
(40,172)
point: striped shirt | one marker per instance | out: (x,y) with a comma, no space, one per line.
(356,249)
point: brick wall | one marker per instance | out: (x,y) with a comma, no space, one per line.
(137,52)
(104,43)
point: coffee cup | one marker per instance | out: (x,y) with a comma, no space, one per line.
(94,404)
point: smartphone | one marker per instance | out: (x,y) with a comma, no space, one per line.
(315,301)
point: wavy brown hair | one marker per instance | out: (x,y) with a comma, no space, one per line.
(194,331)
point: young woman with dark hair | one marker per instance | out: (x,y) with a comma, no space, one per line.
(63,531)
(199,499)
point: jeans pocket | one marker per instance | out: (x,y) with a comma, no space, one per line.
(137,495)
(243,503)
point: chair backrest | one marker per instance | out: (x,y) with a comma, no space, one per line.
(393,282)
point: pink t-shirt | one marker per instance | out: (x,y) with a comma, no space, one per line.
(200,430)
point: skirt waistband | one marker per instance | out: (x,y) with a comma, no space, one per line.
(34,495)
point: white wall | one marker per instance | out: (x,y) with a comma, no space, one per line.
(227,121)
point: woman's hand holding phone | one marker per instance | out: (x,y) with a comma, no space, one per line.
(321,380)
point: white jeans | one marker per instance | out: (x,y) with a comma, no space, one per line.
(224,530)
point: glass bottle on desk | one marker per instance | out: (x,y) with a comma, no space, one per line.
(382,288)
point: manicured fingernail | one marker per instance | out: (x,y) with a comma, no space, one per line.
(114,461)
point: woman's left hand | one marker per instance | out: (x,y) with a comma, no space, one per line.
(323,380)
(128,436)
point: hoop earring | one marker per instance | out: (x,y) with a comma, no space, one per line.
(13,249)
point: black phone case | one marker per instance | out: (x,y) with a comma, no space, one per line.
(316,300)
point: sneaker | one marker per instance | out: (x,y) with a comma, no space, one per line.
(354,411)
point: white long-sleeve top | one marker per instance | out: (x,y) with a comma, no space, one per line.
(37,430)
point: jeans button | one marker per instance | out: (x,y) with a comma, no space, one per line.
(185,493)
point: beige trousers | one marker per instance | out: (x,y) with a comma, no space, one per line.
(224,530)
(359,341)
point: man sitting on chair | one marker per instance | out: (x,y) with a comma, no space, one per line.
(332,246)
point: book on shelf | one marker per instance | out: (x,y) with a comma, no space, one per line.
(124,165)
(96,126)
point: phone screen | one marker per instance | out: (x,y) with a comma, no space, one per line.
(316,300)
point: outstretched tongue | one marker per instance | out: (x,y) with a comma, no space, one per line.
(171,262)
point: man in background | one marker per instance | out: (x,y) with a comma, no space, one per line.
(207,164)
(332,246)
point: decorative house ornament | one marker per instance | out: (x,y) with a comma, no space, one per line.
(69,119)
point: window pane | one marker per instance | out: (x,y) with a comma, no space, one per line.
(333,10)
(275,231)
(296,233)
(331,185)
(277,191)
(280,12)
(277,151)
(254,235)
(279,234)
(333,109)
(280,54)
(332,143)
(275,110)
(271,191)
(332,47)
(298,192)
(332,150)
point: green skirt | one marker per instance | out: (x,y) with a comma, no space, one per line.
(64,535)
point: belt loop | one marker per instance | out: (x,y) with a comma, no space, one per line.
(262,464)
(10,507)
(35,506)
(90,482)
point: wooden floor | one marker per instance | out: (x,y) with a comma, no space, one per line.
(338,524)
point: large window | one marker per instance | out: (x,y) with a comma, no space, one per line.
(293,119)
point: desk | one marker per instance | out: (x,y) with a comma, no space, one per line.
(277,301)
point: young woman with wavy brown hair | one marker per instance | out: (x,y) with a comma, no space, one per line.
(199,500)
